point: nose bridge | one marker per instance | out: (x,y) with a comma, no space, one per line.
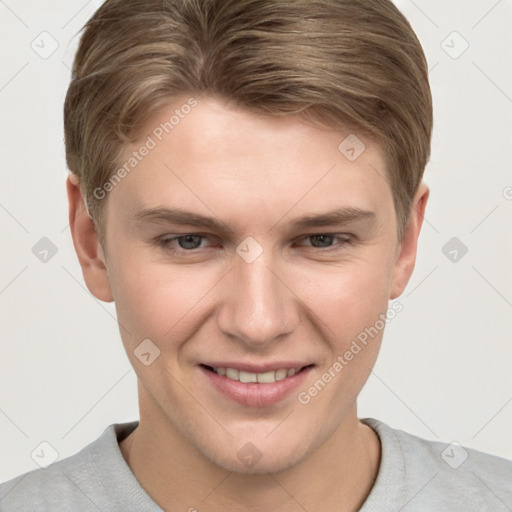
(258,308)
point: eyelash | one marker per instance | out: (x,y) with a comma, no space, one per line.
(166,243)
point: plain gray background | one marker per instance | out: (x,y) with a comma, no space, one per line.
(444,369)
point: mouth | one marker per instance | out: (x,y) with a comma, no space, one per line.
(265,377)
(254,386)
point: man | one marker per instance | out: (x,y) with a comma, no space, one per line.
(246,185)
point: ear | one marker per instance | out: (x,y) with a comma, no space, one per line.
(85,239)
(406,251)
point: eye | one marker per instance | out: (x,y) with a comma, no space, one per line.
(327,240)
(194,242)
(183,242)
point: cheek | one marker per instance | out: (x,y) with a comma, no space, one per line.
(155,300)
(148,297)
(348,299)
(350,306)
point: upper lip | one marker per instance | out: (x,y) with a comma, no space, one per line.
(257,368)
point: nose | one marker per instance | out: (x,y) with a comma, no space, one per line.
(258,307)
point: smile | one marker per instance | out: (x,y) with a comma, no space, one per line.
(262,378)
(255,388)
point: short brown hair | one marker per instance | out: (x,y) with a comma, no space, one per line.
(354,63)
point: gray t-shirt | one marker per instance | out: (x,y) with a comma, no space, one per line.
(414,475)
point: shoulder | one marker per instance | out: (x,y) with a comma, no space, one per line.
(457,465)
(96,478)
(51,488)
(441,474)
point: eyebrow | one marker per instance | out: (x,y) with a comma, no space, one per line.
(186,218)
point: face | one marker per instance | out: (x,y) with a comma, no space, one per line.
(249,248)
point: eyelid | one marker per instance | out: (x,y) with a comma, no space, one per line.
(326,233)
(173,236)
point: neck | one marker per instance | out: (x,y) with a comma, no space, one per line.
(337,476)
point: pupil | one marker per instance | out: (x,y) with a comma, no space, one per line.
(325,240)
(190,241)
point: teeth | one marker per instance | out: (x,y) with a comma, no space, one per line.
(232,374)
(281,374)
(247,377)
(263,378)
(267,377)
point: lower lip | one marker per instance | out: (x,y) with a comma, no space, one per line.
(254,394)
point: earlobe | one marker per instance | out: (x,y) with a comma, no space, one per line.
(85,239)
(406,258)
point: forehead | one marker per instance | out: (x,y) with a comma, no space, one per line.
(216,157)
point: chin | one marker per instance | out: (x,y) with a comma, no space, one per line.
(265,465)
(257,458)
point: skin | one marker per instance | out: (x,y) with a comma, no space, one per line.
(303,298)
